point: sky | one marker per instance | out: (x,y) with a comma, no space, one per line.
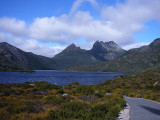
(46,27)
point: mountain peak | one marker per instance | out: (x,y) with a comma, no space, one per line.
(155,42)
(111,43)
(106,50)
(4,44)
(106,46)
(98,43)
(112,46)
(71,47)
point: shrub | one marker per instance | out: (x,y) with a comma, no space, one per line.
(60,91)
(132,95)
(25,85)
(113,112)
(57,100)
(54,87)
(85,90)
(7,92)
(52,115)
(148,97)
(149,86)
(43,85)
(3,115)
(119,101)
(99,111)
(72,85)
(15,109)
(71,110)
(108,90)
(75,106)
(99,95)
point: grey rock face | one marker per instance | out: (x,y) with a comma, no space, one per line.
(106,51)
(8,51)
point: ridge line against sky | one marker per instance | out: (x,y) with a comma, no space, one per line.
(46,27)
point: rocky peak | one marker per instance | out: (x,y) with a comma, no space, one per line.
(111,43)
(72,47)
(155,42)
(4,46)
(106,46)
(3,43)
(112,46)
(98,44)
(12,53)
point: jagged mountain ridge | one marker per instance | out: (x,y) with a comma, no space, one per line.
(134,60)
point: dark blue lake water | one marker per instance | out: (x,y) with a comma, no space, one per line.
(58,77)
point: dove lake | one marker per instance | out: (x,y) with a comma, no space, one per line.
(58,77)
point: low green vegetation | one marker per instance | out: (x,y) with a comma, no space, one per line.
(44,101)
(144,85)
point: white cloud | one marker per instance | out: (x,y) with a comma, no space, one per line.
(118,23)
(14,26)
(77,4)
(35,47)
(133,14)
(2,37)
(82,25)
(135,45)
(31,45)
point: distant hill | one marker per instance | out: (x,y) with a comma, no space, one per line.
(12,58)
(134,60)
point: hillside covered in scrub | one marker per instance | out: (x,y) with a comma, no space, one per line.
(143,85)
(43,101)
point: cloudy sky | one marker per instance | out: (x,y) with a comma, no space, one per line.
(46,27)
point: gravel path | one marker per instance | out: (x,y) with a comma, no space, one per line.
(141,109)
(124,114)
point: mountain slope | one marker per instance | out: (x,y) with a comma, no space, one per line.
(73,56)
(14,58)
(135,60)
